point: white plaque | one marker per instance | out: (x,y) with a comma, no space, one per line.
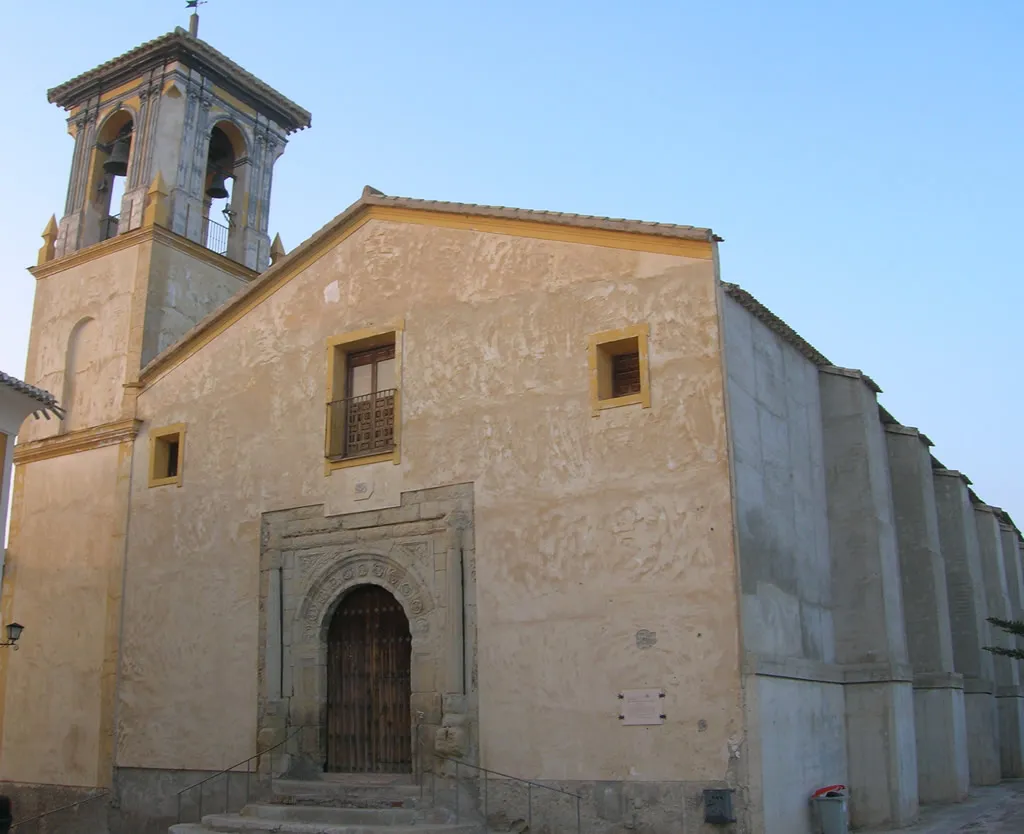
(642,707)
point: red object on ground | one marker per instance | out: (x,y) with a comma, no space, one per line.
(823,791)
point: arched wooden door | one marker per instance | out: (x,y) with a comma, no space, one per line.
(369,651)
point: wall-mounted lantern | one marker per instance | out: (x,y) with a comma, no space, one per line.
(13,633)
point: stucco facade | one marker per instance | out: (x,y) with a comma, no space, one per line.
(732,533)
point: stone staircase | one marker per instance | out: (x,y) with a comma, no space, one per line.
(341,804)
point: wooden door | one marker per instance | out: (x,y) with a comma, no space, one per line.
(369,649)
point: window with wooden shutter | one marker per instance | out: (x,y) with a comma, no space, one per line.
(370,408)
(625,374)
(362,398)
(618,368)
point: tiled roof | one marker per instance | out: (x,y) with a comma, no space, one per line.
(179,44)
(774,323)
(44,398)
(372,196)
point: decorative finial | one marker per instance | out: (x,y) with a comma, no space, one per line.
(276,250)
(193,22)
(48,252)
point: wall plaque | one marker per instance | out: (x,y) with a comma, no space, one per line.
(642,707)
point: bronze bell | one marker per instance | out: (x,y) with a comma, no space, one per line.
(217,191)
(117,163)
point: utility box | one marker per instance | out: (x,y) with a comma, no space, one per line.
(718,806)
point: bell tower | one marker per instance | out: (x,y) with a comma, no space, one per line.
(177,108)
(166,219)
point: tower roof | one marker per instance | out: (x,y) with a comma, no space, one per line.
(179,45)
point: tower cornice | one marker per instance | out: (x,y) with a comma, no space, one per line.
(180,46)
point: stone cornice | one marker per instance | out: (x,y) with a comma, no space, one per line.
(143,234)
(108,434)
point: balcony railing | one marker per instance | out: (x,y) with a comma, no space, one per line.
(360,426)
(216,235)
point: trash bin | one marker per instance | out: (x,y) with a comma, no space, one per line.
(828,810)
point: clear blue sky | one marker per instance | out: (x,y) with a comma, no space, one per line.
(864,161)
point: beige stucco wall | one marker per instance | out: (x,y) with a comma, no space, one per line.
(100,288)
(587,529)
(63,569)
(182,290)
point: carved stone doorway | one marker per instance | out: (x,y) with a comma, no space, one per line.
(369,712)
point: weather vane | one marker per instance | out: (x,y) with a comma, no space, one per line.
(193,22)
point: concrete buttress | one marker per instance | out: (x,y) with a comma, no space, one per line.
(940,718)
(870,638)
(1009,706)
(968,610)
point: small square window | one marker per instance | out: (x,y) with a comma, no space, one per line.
(166,455)
(618,368)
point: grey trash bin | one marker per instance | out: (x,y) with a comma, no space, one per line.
(829,813)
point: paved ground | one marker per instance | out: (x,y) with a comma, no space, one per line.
(996,810)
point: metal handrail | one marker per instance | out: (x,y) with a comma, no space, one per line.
(341,413)
(216,236)
(530,785)
(62,808)
(229,770)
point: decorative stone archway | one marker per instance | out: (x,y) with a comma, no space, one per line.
(309,563)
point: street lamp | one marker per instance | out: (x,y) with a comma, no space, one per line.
(13,633)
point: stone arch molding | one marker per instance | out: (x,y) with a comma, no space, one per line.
(363,567)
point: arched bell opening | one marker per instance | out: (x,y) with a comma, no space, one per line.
(109,170)
(369,684)
(224,189)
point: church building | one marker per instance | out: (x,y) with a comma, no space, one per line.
(451,490)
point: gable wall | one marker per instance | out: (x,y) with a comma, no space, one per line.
(587,528)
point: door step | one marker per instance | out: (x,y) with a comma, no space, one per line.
(349,791)
(243,824)
(347,816)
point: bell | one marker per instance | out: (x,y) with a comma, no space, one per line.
(217,191)
(117,163)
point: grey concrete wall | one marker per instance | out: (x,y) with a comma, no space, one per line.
(867,605)
(968,611)
(804,728)
(1009,706)
(605,807)
(148,799)
(794,700)
(940,719)
(775,428)
(31,800)
(1012,563)
(922,572)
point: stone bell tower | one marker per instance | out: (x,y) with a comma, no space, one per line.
(166,219)
(177,108)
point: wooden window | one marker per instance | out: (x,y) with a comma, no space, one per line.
(166,455)
(369,410)
(362,398)
(619,369)
(625,374)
